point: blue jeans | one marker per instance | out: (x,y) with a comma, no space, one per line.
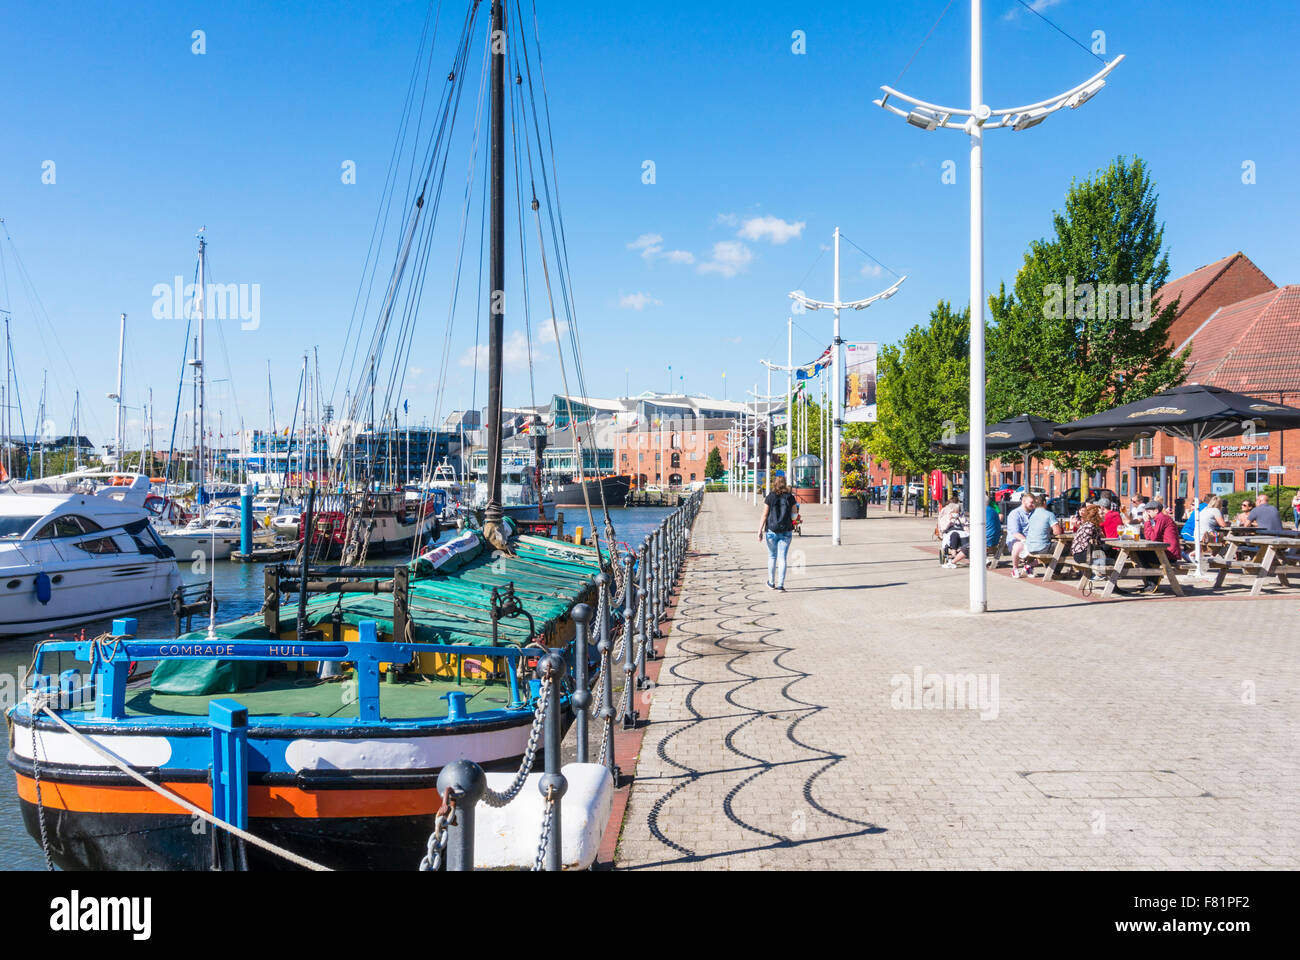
(777,545)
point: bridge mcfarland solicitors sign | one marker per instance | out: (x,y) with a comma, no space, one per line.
(1219,450)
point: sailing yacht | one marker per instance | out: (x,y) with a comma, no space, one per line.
(73,549)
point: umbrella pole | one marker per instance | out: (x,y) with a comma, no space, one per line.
(1196,503)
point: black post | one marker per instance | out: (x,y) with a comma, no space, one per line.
(552,784)
(645,605)
(606,649)
(581,697)
(629,642)
(464,781)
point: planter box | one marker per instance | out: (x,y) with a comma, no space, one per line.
(850,508)
(807,495)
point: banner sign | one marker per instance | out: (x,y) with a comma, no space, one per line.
(860,382)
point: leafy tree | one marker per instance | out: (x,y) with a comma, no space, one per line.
(923,392)
(1082,332)
(713,465)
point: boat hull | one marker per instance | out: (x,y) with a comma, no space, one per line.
(80,594)
(615,490)
(360,799)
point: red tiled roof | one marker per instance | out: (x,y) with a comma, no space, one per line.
(1194,284)
(1252,346)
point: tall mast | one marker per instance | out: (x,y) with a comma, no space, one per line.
(8,398)
(117,443)
(496,278)
(201,297)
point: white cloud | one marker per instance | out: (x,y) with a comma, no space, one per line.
(872,270)
(728,219)
(514,350)
(651,247)
(729,258)
(770,228)
(638,301)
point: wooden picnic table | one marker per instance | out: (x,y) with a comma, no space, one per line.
(1265,556)
(1126,564)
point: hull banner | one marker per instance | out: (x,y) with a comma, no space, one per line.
(859,382)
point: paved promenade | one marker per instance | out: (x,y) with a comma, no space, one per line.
(803,731)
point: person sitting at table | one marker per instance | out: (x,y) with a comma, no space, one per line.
(1188,532)
(1159,527)
(1017,524)
(1265,516)
(1110,518)
(992,524)
(1087,536)
(1295,509)
(1137,506)
(951,527)
(1212,521)
(1242,519)
(1040,527)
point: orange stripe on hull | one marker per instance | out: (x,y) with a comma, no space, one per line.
(263,801)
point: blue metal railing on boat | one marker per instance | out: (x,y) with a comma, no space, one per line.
(111,660)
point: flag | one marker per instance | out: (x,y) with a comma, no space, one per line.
(810,370)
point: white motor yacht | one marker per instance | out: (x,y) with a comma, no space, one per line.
(72,551)
(214,536)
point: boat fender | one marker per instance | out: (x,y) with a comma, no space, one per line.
(44,589)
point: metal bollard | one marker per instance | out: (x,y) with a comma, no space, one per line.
(466,783)
(606,649)
(553,784)
(629,643)
(643,642)
(581,697)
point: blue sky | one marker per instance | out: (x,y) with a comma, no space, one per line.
(758,152)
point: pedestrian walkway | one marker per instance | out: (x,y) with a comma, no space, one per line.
(803,730)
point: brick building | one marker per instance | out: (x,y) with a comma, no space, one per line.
(1243,332)
(674,453)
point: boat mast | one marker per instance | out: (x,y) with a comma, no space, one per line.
(7,399)
(496,278)
(117,443)
(201,298)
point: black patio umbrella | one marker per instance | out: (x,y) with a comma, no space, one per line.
(1194,413)
(1025,432)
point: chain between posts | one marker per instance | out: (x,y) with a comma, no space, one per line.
(646,578)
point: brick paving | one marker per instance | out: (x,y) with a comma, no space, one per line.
(1131,733)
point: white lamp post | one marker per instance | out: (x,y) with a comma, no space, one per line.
(837,373)
(974,122)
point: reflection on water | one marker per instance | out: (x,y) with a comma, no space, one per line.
(239,592)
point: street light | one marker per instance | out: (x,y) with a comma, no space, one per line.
(974,121)
(837,388)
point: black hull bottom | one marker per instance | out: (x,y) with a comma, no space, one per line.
(615,491)
(140,841)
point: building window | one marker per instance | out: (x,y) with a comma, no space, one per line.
(1182,484)
(1222,482)
(676,461)
(692,477)
(1123,484)
(1257,480)
(1143,450)
(710,438)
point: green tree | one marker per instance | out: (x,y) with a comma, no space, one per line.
(922,393)
(1082,331)
(713,465)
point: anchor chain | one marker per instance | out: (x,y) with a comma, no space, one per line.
(494,799)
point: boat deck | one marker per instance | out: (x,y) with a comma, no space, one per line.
(292,694)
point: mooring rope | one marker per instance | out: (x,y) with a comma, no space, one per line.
(42,706)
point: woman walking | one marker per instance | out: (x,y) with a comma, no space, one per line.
(780,510)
